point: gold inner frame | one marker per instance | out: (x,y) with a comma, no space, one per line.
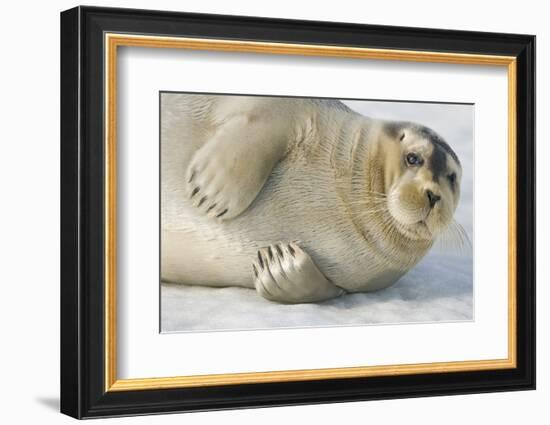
(113,41)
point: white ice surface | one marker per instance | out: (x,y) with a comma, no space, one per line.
(439,288)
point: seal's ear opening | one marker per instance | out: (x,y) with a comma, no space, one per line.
(402,137)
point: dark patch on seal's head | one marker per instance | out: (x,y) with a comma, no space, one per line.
(397,129)
(438,160)
(437,141)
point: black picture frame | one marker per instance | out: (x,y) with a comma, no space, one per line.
(83,392)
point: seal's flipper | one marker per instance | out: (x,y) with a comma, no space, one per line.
(229,170)
(287,274)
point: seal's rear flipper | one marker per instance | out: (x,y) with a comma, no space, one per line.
(287,274)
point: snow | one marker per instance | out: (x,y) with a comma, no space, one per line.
(438,289)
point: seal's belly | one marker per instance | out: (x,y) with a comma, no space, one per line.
(298,203)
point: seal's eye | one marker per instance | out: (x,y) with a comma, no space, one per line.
(413,159)
(452,179)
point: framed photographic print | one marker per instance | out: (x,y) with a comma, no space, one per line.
(261,212)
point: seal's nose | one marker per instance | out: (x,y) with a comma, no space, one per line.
(432,197)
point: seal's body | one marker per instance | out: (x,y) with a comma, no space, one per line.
(299,198)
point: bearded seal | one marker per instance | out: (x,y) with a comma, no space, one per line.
(302,199)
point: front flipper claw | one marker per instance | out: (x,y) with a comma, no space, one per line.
(285,273)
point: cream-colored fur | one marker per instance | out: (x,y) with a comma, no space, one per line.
(239,174)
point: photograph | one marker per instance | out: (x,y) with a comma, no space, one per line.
(293,212)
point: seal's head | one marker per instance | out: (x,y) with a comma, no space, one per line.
(422,181)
